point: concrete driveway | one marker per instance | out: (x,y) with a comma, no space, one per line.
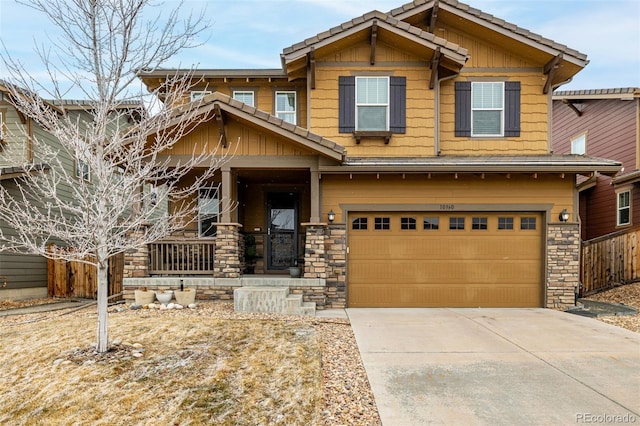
(498,367)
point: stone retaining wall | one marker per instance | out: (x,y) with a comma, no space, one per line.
(221,289)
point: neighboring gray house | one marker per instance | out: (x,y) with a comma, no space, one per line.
(24,276)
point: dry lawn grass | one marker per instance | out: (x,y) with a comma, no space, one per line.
(168,370)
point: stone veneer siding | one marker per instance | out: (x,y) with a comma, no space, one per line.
(219,289)
(136,263)
(314,251)
(227,261)
(563,264)
(336,254)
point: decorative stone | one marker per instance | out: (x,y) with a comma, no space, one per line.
(192,306)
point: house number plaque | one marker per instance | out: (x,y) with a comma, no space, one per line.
(447,207)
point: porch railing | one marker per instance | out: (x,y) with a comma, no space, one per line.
(182,257)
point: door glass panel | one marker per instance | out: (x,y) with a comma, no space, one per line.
(282,244)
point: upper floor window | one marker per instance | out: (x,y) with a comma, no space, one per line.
(286,106)
(579,144)
(1,126)
(487,109)
(246,96)
(624,208)
(372,103)
(208,211)
(197,94)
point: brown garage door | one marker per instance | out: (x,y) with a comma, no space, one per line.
(445,260)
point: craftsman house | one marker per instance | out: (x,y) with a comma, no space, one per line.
(403,159)
(602,123)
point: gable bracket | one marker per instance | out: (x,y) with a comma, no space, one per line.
(220,121)
(549,70)
(435,63)
(311,67)
(571,105)
(433,18)
(374,40)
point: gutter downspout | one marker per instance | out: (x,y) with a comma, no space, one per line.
(436,124)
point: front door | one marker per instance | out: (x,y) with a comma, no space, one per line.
(282,218)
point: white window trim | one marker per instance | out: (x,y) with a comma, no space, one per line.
(295,106)
(1,126)
(216,190)
(253,96)
(80,170)
(387,105)
(197,94)
(618,208)
(583,137)
(501,134)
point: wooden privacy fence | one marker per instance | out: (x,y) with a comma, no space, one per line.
(182,257)
(610,260)
(77,279)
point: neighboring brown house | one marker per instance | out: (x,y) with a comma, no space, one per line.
(405,156)
(602,123)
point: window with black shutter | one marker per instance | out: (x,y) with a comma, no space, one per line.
(487,109)
(372,104)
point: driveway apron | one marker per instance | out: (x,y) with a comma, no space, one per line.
(498,367)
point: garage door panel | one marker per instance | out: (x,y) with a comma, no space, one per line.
(443,267)
(444,294)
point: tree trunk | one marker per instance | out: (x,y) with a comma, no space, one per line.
(103,317)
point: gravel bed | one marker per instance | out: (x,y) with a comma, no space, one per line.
(628,294)
(348,399)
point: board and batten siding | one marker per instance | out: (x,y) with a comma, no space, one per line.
(242,141)
(417,189)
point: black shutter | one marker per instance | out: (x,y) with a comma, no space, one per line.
(347,104)
(463,108)
(512,108)
(398,104)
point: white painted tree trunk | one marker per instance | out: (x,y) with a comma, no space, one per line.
(103,303)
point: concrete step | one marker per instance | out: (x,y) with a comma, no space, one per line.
(271,299)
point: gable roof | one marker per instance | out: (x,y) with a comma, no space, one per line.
(565,62)
(409,10)
(454,55)
(246,113)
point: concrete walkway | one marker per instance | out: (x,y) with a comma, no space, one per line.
(498,367)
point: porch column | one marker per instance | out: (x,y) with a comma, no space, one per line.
(136,261)
(315,197)
(315,263)
(563,264)
(227,257)
(226,195)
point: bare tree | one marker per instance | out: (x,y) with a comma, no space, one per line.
(104,44)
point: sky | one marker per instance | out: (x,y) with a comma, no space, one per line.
(248,34)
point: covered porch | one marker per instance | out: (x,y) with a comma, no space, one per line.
(258,220)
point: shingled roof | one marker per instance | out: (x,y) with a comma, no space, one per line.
(544,163)
(269,122)
(418,6)
(381,18)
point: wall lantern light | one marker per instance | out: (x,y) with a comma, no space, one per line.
(564,215)
(331,216)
